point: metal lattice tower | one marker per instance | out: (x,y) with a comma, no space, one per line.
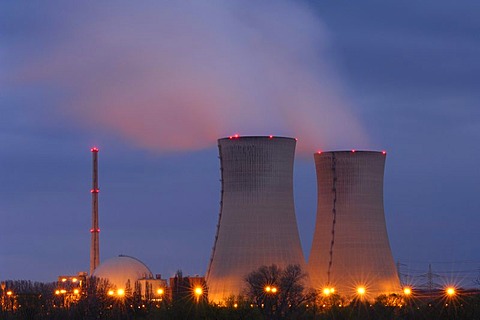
(95,230)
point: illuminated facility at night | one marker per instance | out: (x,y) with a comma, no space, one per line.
(351,250)
(257,224)
(124,273)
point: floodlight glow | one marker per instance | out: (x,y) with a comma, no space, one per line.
(198,291)
(361,290)
(450,291)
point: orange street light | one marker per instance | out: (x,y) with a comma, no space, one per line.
(328,291)
(160,291)
(361,290)
(407,291)
(450,291)
(198,291)
(9,293)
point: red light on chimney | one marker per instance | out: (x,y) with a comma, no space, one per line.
(384,152)
(94,230)
(94,149)
(95,191)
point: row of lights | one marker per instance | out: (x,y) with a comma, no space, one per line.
(237,136)
(407,291)
(63,291)
(353,151)
(120,292)
(362,290)
(449,291)
(198,291)
(271,289)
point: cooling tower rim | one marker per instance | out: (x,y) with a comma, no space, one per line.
(353,152)
(270,137)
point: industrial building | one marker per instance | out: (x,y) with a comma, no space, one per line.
(257,224)
(351,251)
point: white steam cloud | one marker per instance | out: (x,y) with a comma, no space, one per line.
(177,75)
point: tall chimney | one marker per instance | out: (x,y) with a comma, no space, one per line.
(95,230)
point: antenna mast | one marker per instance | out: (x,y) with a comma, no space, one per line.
(95,230)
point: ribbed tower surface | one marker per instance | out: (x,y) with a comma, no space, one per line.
(257,224)
(350,246)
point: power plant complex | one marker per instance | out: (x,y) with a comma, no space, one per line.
(257,226)
(350,253)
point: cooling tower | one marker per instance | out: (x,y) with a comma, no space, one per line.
(257,224)
(350,246)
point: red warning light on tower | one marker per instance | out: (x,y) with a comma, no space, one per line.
(94,149)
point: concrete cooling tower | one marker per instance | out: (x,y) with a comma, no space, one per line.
(350,248)
(257,224)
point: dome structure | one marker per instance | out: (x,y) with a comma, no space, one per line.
(122,269)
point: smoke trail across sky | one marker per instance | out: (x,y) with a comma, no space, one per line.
(172,76)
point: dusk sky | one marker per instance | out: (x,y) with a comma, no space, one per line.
(153,84)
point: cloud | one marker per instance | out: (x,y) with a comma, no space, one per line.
(172,76)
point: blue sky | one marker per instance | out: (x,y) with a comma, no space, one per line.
(153,85)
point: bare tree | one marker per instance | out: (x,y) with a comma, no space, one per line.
(277,292)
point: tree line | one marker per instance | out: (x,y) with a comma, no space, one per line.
(272,293)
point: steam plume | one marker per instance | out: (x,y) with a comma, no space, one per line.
(177,75)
